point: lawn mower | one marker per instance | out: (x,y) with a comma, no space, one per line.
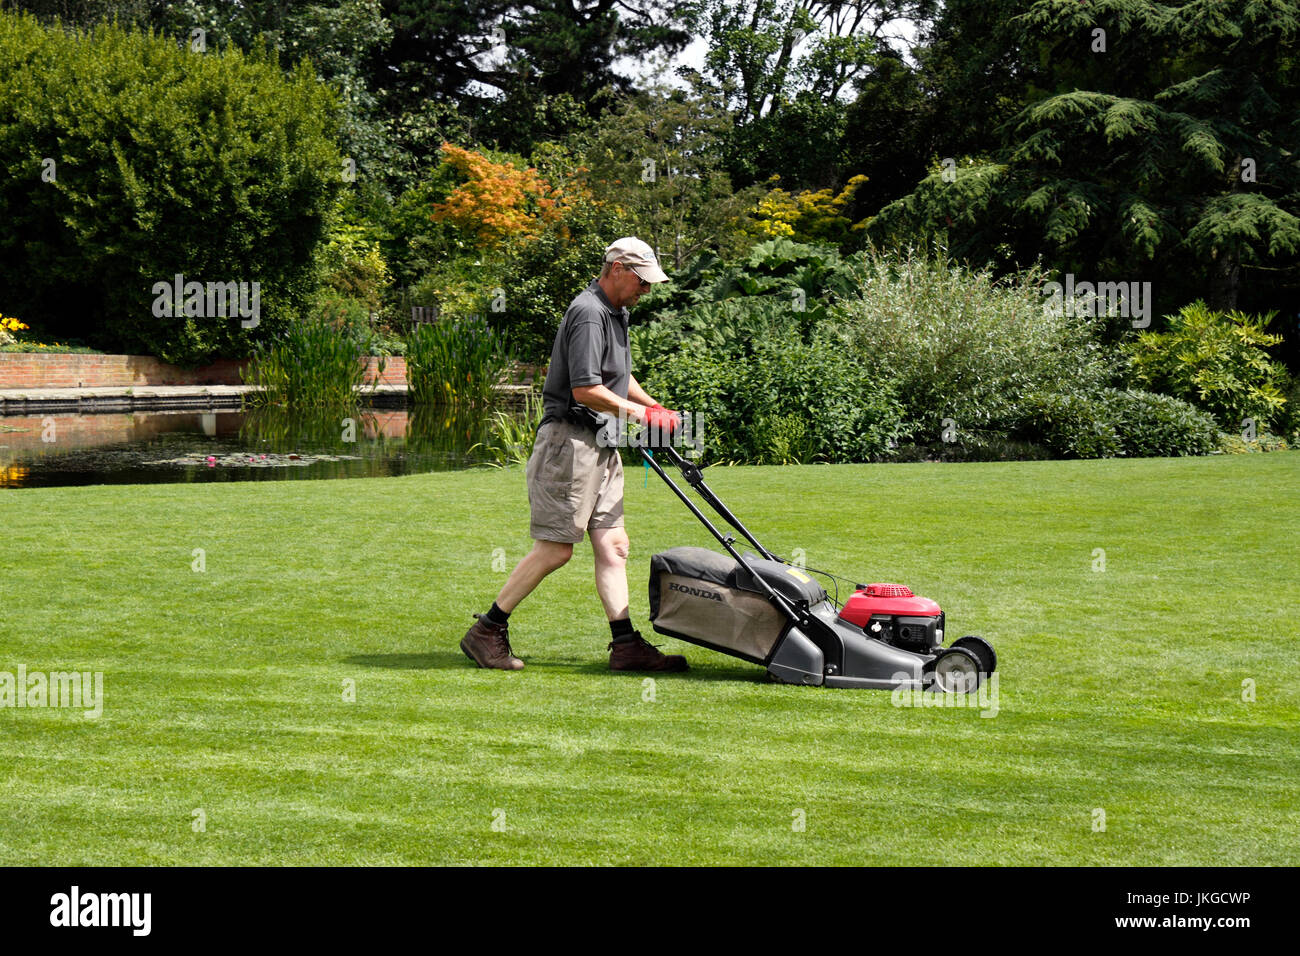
(763,609)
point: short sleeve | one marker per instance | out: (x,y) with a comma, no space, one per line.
(585,343)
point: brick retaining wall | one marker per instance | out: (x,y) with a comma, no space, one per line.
(34,370)
(394,370)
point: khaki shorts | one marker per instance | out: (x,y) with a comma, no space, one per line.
(574,485)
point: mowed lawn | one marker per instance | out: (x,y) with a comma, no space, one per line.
(1122,732)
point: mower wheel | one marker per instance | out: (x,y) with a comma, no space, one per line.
(982,650)
(955,671)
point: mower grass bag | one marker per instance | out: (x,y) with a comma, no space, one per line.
(711,599)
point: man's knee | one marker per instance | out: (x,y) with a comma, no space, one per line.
(553,554)
(613,546)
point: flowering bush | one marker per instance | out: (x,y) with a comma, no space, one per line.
(8,327)
(9,342)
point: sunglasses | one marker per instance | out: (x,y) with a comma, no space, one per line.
(644,284)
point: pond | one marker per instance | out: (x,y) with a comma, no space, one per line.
(263,444)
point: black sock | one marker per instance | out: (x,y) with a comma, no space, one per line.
(497,616)
(622,630)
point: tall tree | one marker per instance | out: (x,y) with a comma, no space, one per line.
(337,36)
(784,69)
(659,158)
(764,53)
(523,71)
(971,70)
(1158,141)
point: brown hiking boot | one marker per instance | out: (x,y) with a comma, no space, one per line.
(640,655)
(489,646)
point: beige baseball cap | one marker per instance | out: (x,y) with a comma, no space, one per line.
(637,256)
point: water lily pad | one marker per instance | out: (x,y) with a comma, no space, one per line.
(237,460)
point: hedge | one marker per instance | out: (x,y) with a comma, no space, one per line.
(128,159)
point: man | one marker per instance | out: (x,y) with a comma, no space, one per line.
(575,481)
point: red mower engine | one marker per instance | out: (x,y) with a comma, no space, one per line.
(893,614)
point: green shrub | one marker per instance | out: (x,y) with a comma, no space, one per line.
(974,446)
(1159,426)
(1112,422)
(461,288)
(212,165)
(730,327)
(961,345)
(39,348)
(1288,420)
(959,352)
(1217,361)
(779,290)
(347,314)
(352,317)
(415,242)
(1072,425)
(382,344)
(801,278)
(1233,443)
(454,362)
(783,400)
(953,348)
(354,266)
(786,439)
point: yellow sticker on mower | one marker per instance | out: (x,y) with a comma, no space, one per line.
(798,574)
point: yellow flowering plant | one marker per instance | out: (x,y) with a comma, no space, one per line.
(806,216)
(8,326)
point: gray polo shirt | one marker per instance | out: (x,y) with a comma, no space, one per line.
(590,349)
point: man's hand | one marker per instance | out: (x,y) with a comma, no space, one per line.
(664,420)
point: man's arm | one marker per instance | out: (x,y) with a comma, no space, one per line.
(600,399)
(637,393)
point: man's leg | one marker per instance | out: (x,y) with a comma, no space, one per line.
(487,642)
(628,650)
(610,546)
(545,557)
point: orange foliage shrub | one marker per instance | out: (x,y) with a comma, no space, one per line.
(497,202)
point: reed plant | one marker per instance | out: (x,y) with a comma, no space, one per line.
(512,433)
(454,363)
(316,364)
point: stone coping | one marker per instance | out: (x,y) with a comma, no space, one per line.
(153,397)
(15,401)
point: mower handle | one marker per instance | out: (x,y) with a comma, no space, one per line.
(798,615)
(693,474)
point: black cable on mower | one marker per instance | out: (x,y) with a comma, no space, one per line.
(835,578)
